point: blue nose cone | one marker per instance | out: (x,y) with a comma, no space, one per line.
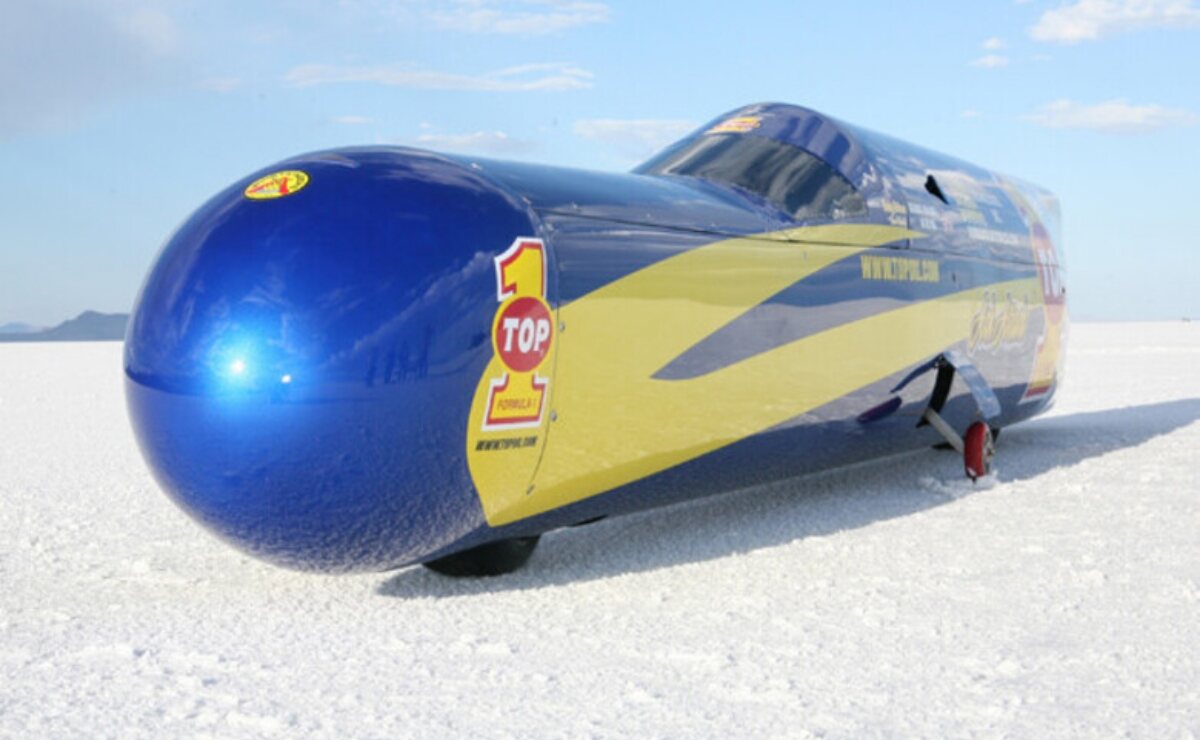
(302,357)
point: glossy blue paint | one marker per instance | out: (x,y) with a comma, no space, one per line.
(300,370)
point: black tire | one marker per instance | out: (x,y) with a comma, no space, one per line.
(492,559)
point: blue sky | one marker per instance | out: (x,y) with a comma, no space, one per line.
(119,117)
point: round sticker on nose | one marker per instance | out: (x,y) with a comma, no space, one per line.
(276,185)
(522,333)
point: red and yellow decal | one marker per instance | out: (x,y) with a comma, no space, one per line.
(522,336)
(276,185)
(1049,292)
(739,125)
(1047,361)
(506,431)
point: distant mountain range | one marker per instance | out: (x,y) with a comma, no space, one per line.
(16,327)
(89,326)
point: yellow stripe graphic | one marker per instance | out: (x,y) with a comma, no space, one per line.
(615,424)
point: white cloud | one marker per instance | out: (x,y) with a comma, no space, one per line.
(485,142)
(353,120)
(60,59)
(523,17)
(995,43)
(525,78)
(1088,20)
(971,113)
(636,138)
(1113,117)
(990,61)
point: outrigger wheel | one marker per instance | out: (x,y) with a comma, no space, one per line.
(978,450)
(492,559)
(977,446)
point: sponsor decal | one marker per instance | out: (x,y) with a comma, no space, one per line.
(1048,357)
(994,236)
(508,425)
(897,213)
(739,125)
(999,322)
(505,443)
(521,333)
(899,269)
(920,209)
(973,216)
(276,185)
(522,336)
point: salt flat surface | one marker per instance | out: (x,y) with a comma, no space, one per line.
(1060,598)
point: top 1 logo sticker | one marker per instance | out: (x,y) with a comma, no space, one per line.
(522,335)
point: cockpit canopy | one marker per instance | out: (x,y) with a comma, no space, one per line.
(798,183)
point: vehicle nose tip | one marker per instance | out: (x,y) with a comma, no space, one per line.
(302,357)
(326,486)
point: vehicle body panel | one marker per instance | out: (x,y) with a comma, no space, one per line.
(692,337)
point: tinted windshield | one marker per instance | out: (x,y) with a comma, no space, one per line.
(791,178)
